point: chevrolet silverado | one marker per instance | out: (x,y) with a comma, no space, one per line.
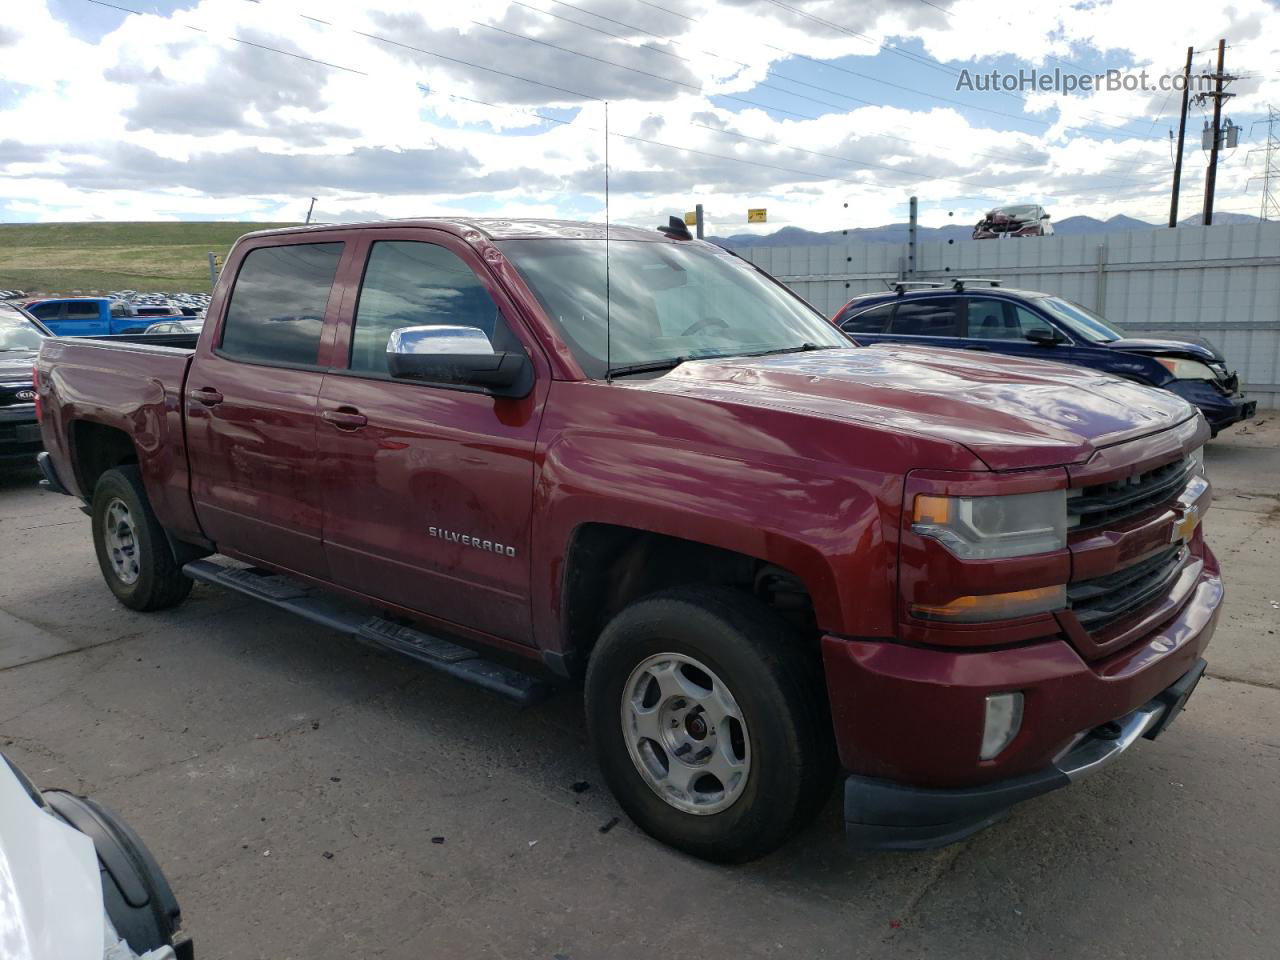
(523,451)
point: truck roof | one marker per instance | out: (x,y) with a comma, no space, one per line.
(493,228)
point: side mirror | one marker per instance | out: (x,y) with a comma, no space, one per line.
(1045,337)
(457,356)
(1044,216)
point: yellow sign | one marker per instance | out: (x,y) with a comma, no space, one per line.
(691,218)
(756,215)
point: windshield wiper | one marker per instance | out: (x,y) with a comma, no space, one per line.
(803,348)
(649,366)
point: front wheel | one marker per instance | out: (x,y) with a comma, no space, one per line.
(135,557)
(706,715)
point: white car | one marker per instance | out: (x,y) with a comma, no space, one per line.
(76,883)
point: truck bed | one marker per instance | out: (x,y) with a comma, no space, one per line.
(132,385)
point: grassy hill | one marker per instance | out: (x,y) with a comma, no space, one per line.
(87,257)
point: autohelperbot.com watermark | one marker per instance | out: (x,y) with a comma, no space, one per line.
(1032,80)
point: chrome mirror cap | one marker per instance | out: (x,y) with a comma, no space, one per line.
(440,340)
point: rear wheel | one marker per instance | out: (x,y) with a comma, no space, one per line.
(707,720)
(133,552)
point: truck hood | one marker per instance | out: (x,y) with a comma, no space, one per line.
(1012,413)
(1197,348)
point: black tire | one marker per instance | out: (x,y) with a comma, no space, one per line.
(776,681)
(157,579)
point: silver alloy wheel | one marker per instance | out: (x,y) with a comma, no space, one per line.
(685,733)
(121,540)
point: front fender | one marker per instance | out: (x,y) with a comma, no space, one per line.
(828,529)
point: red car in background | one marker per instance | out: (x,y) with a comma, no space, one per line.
(1016,220)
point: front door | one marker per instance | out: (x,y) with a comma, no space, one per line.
(428,490)
(1001,326)
(251,408)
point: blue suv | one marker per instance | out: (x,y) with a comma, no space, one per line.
(1045,327)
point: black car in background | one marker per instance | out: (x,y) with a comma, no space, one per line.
(20,337)
(1028,324)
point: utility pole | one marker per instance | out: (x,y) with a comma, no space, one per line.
(310,208)
(697,210)
(1182,135)
(213,270)
(1211,177)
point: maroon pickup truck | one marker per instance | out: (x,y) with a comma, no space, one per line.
(519,452)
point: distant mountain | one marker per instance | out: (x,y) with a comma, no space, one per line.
(1072,226)
(897,232)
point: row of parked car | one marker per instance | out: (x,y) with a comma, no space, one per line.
(110,315)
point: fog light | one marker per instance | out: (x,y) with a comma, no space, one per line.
(1004,718)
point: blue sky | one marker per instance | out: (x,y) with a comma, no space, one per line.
(233,109)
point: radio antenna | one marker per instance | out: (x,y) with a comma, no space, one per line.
(608,342)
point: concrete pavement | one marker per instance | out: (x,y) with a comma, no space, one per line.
(293,785)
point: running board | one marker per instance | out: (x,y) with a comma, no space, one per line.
(357,621)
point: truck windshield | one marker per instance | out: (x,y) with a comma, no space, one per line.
(667,302)
(1082,321)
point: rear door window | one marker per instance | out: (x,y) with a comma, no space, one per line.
(83,310)
(276,313)
(875,320)
(926,318)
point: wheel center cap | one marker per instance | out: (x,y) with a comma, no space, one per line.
(695,726)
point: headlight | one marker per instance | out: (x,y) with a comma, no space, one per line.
(985,528)
(1186,369)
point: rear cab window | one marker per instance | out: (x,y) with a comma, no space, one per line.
(276,312)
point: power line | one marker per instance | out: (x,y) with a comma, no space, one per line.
(910,174)
(1106,131)
(920,58)
(634,138)
(998,157)
(1004,158)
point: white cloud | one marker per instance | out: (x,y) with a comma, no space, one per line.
(168,116)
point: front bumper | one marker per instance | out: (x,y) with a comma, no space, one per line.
(19,434)
(881,815)
(1220,409)
(908,719)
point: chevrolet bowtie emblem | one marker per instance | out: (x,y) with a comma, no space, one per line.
(1184,527)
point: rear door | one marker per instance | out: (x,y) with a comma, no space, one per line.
(927,321)
(428,490)
(85,318)
(251,404)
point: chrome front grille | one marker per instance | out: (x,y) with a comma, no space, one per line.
(1104,600)
(1113,502)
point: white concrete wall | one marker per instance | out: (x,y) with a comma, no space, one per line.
(1220,282)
